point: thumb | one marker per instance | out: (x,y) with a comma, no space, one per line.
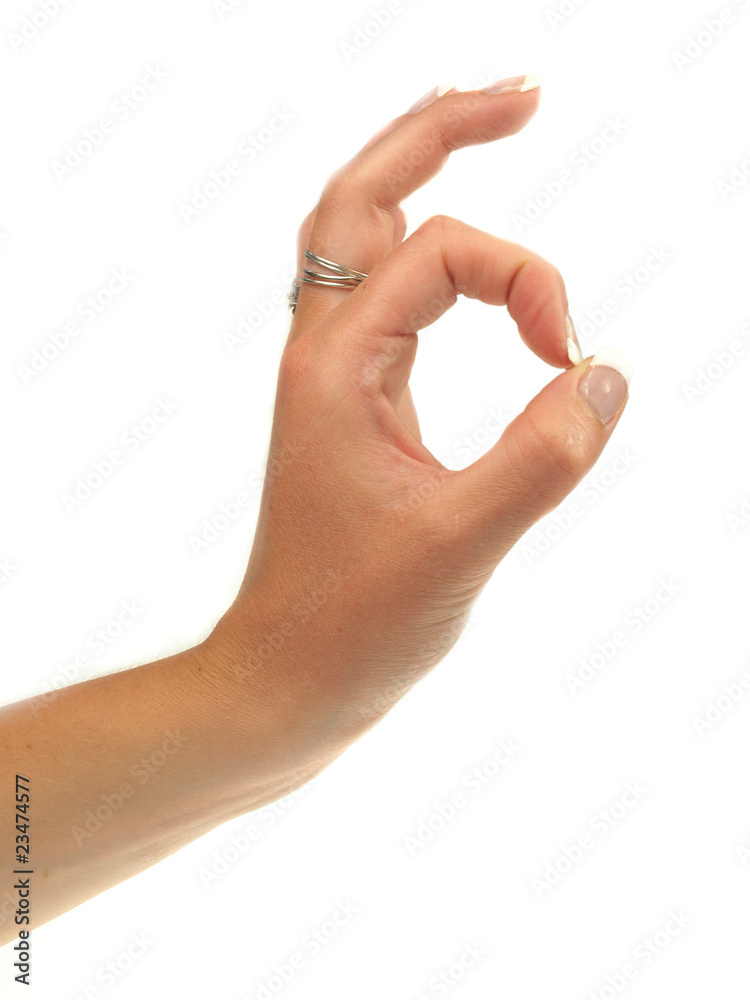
(542,455)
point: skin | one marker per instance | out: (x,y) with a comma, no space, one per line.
(368,555)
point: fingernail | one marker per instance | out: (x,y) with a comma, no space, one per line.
(515,84)
(426,101)
(604,385)
(574,348)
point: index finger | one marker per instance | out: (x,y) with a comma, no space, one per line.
(421,279)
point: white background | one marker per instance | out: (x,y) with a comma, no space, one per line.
(663,517)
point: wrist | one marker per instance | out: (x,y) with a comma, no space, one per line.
(267,730)
(271,681)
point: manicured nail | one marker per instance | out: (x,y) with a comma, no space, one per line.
(426,101)
(604,385)
(532,81)
(574,348)
(515,84)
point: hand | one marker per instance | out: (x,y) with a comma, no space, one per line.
(369,552)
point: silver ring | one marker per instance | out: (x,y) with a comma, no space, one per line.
(318,278)
(342,277)
(338,268)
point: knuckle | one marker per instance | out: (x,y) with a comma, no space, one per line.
(306,226)
(556,459)
(353,185)
(563,452)
(438,226)
(443,135)
(339,188)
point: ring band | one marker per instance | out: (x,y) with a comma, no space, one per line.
(339,268)
(342,277)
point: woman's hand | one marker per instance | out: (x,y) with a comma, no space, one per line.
(369,552)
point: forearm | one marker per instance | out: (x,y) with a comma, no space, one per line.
(128,768)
